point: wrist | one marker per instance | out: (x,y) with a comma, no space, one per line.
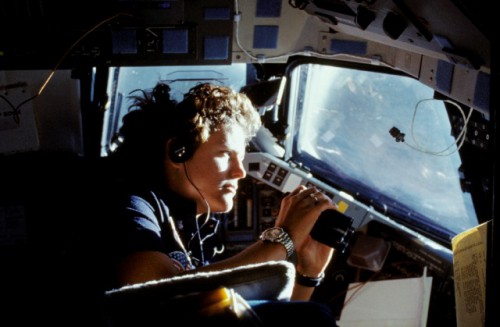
(279,235)
(309,281)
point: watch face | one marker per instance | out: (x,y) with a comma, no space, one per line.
(278,235)
(273,233)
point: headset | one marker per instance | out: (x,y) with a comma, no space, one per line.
(183,145)
(180,150)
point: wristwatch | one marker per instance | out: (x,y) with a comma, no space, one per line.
(309,281)
(279,235)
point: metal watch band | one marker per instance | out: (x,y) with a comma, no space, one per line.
(283,238)
(287,243)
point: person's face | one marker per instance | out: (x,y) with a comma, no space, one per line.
(215,168)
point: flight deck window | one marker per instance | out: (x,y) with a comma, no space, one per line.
(124,80)
(384,139)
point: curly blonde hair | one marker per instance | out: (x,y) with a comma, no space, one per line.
(155,118)
(209,107)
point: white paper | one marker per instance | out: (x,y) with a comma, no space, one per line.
(396,302)
(18,129)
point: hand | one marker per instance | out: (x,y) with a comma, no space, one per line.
(298,213)
(313,257)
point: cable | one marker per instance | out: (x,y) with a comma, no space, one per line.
(47,80)
(74,45)
(15,112)
(356,289)
(459,141)
(207,219)
(197,189)
(308,53)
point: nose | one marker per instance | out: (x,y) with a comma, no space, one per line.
(238,169)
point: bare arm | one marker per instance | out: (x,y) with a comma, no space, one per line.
(298,214)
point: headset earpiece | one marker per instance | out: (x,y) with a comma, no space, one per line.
(180,151)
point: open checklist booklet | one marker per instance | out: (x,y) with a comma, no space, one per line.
(387,303)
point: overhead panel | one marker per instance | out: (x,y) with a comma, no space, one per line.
(43,34)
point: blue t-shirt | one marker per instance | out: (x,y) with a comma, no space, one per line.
(157,220)
(118,221)
(144,219)
(163,221)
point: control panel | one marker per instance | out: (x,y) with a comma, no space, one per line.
(285,177)
(380,248)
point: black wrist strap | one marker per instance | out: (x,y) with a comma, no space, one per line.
(308,281)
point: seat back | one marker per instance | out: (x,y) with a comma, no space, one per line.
(218,296)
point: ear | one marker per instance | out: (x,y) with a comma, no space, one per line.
(180,149)
(169,151)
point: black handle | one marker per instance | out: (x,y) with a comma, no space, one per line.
(334,229)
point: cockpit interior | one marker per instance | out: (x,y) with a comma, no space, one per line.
(386,106)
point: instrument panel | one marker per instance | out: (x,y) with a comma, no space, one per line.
(380,249)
